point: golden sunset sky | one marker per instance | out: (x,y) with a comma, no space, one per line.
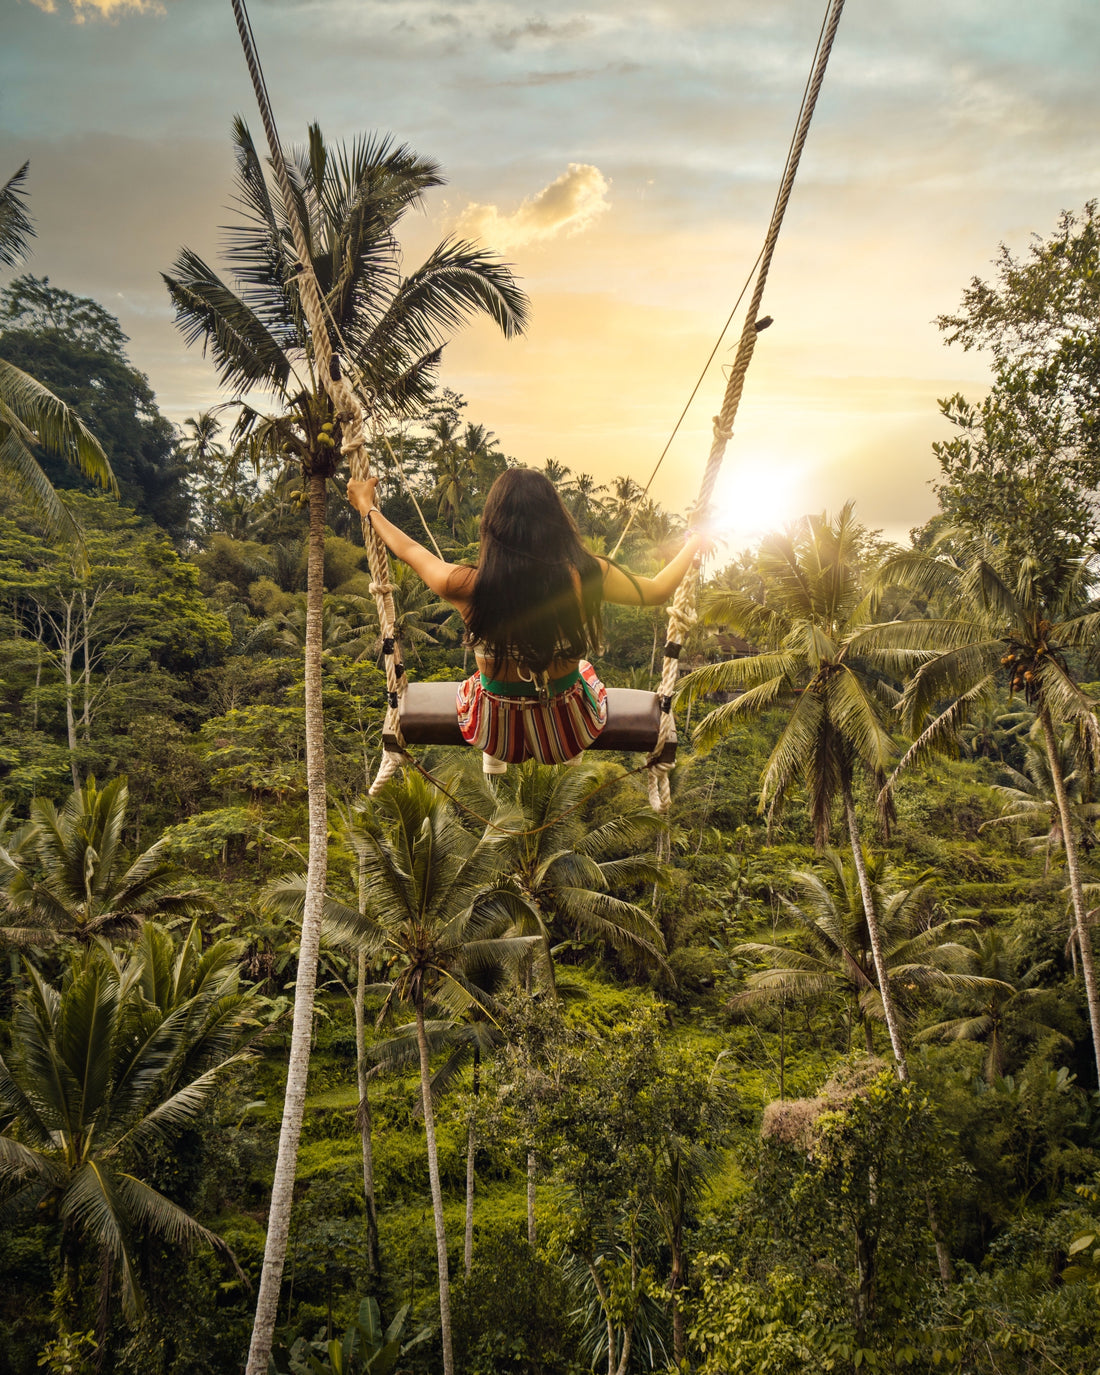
(624,156)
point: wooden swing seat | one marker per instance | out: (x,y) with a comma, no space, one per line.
(429,717)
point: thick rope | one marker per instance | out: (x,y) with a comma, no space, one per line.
(682,613)
(345,402)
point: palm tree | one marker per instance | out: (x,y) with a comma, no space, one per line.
(467,1042)
(1013,625)
(486,460)
(557,472)
(1000,1003)
(417,613)
(827,951)
(817,664)
(566,869)
(439,920)
(71,877)
(1030,801)
(453,467)
(30,415)
(390,330)
(97,1075)
(582,499)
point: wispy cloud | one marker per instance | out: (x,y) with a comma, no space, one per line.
(103,9)
(570,203)
(540,31)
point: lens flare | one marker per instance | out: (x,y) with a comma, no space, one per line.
(756,495)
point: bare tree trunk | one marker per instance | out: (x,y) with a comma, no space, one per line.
(601,1291)
(282,1191)
(675,1283)
(437,1194)
(1080,915)
(37,663)
(86,671)
(365,1124)
(66,652)
(875,935)
(531,1234)
(943,1253)
(782,1050)
(471,1145)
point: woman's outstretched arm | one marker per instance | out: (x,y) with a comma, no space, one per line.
(634,590)
(447,580)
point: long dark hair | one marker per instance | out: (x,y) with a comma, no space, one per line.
(525,605)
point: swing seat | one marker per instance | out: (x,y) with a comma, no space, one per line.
(429,716)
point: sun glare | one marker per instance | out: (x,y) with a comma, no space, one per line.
(758,494)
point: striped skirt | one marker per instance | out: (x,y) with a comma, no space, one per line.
(513,726)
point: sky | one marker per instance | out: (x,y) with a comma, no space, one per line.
(623,156)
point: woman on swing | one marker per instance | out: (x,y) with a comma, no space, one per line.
(531,608)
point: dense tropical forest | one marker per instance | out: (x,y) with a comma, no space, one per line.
(800,1077)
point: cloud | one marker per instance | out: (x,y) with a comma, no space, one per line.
(571,203)
(539,30)
(105,9)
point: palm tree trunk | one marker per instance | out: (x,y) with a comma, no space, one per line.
(531,1233)
(675,1284)
(874,933)
(471,1142)
(282,1190)
(437,1193)
(67,654)
(1080,917)
(365,1124)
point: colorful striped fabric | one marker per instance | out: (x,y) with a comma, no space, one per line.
(513,728)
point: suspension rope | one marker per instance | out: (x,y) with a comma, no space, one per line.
(346,404)
(740,295)
(682,613)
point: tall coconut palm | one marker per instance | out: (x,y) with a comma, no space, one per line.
(97,1075)
(816,664)
(71,877)
(439,921)
(30,415)
(1013,625)
(390,329)
(827,952)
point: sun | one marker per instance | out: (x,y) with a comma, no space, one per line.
(754,496)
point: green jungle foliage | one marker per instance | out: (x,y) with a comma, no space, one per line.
(673,1105)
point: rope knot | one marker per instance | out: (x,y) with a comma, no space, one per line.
(382,589)
(722,431)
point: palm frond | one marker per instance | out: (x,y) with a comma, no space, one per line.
(16,226)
